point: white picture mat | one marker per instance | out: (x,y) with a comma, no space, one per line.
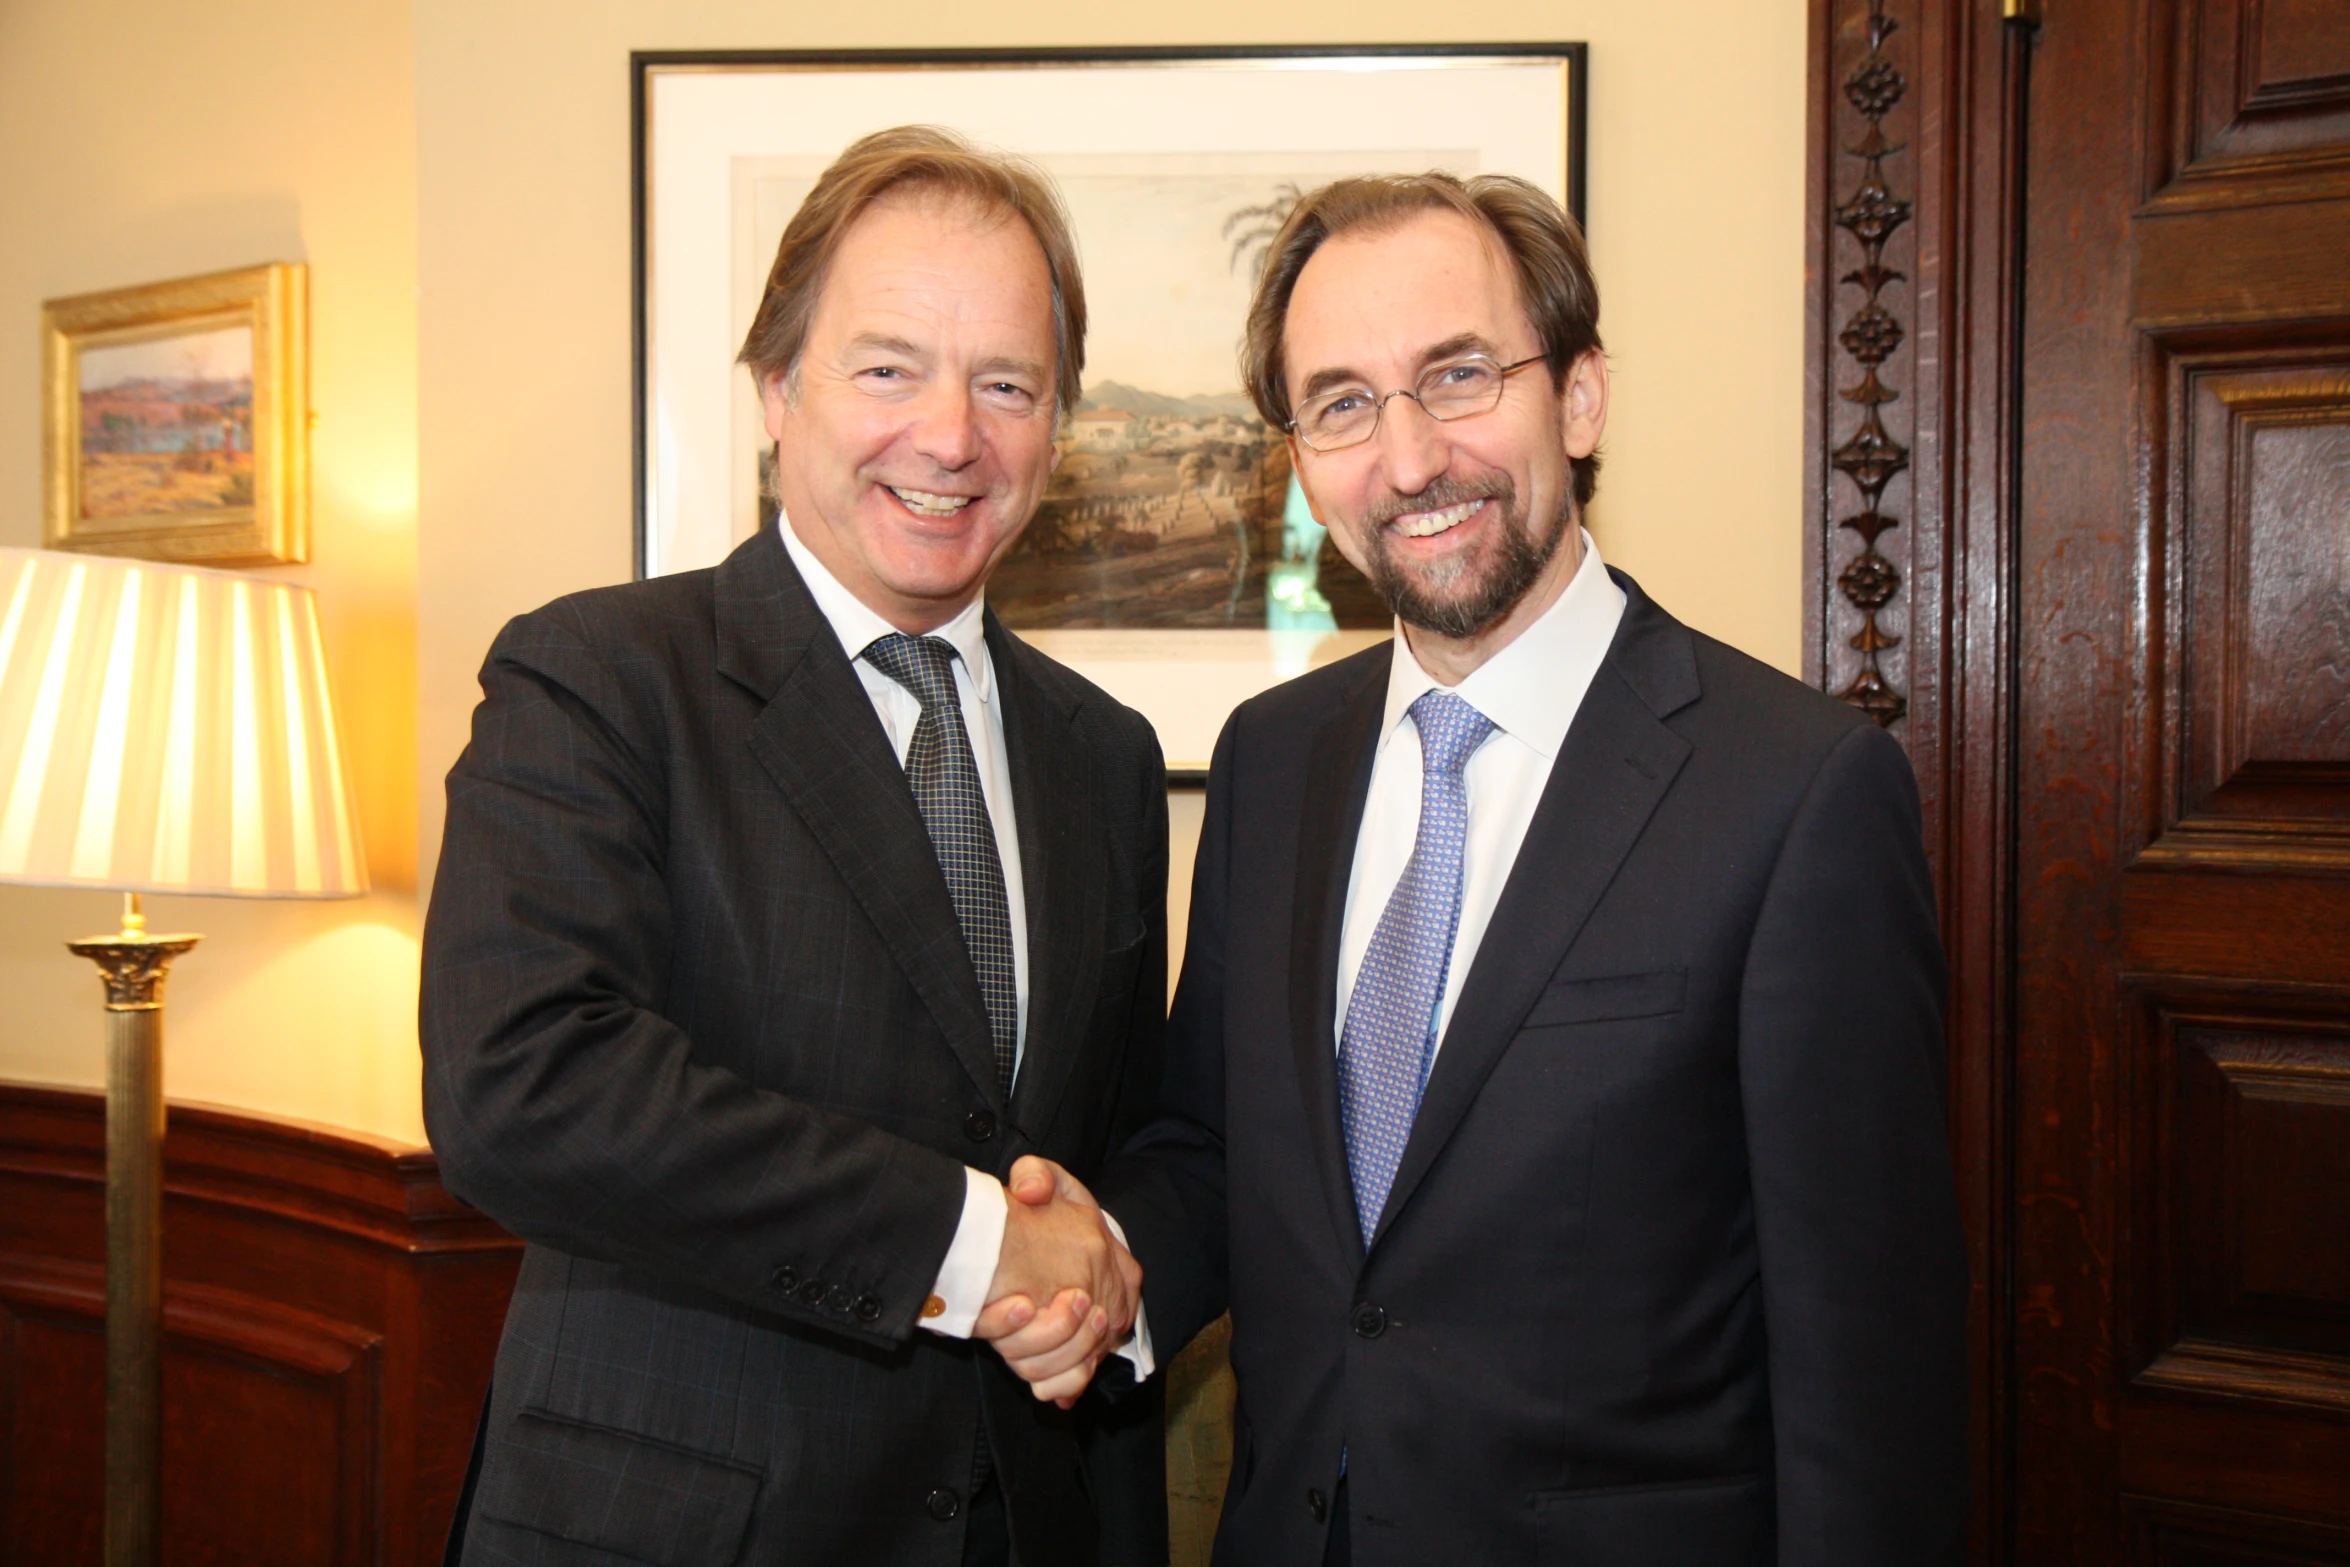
(723,140)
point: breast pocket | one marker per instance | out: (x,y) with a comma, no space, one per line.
(1610,998)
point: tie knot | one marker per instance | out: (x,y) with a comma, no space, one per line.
(923,665)
(1450,732)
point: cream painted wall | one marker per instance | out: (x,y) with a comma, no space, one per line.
(1696,204)
(143,140)
(457,177)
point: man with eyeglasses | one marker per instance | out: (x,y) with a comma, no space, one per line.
(1555,1086)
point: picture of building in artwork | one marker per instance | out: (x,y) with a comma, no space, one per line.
(166,425)
(1173,505)
(1176,512)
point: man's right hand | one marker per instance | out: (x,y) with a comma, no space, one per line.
(1058,1250)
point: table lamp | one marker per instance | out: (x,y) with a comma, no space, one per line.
(162,729)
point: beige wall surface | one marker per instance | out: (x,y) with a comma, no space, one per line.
(1695,208)
(142,140)
(456,174)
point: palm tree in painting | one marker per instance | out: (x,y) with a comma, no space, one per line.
(1252,229)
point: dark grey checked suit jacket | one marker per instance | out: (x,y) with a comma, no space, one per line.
(699,1026)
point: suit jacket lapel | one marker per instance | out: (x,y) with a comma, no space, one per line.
(1617,762)
(819,740)
(1061,873)
(1338,779)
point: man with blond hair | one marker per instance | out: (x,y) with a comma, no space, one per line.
(791,911)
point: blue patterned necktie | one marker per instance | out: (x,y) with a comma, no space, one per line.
(945,776)
(1390,1032)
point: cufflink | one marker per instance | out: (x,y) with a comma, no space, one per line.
(933,1307)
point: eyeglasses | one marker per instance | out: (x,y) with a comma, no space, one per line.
(1456,389)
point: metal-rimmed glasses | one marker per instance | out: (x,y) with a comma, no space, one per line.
(1458,388)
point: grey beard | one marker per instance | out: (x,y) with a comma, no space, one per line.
(1506,579)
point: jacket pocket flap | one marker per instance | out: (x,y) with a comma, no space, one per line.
(1610,998)
(617,1492)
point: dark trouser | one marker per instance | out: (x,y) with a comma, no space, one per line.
(1338,1551)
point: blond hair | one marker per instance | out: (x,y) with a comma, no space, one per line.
(913,157)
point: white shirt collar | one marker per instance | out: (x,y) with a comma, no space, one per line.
(858,625)
(1532,688)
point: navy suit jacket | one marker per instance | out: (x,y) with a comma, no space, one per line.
(1671,1270)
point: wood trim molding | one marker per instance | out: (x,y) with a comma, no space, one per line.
(331,1314)
(1872,457)
(1940,608)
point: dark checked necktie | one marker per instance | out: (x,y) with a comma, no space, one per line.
(945,777)
(1390,1033)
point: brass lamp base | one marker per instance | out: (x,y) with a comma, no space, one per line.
(133,965)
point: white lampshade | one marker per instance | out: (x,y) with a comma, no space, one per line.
(167,729)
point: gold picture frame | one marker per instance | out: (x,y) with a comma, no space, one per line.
(176,419)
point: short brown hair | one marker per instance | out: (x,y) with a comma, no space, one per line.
(1544,246)
(913,157)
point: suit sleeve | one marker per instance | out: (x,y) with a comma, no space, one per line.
(1856,1211)
(1167,1187)
(559,1097)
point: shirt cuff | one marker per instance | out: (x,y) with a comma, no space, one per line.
(1136,1351)
(960,1293)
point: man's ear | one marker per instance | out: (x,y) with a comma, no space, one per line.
(774,402)
(1583,404)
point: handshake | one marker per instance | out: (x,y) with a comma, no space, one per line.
(1066,1290)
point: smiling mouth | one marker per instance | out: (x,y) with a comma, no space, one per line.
(922,503)
(1427,524)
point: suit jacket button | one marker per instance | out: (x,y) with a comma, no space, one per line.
(979,1126)
(1370,1321)
(868,1308)
(1316,1505)
(943,1504)
(785,1278)
(812,1293)
(839,1299)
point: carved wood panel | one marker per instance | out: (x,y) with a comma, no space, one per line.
(2261,88)
(2242,1277)
(330,1316)
(2259,526)
(2172,1534)
(1861,661)
(2104,203)
(2182,1062)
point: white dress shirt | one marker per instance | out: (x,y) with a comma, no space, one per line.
(969,1268)
(1531,690)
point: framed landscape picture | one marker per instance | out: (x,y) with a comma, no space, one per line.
(176,419)
(1173,560)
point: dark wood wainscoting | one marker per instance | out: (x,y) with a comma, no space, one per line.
(330,1317)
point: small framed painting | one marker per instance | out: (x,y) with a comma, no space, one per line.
(1173,559)
(176,419)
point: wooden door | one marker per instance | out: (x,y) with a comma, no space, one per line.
(2180,1291)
